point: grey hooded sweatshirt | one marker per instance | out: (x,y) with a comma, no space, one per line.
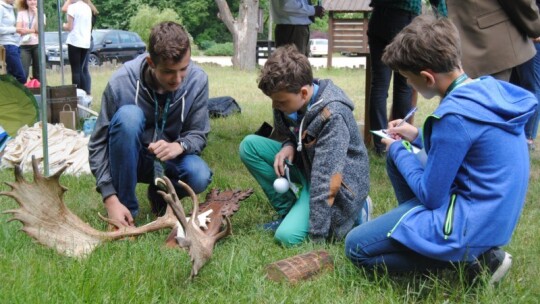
(333,158)
(187,122)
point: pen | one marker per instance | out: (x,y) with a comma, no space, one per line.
(409,115)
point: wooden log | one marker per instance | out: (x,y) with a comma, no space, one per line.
(300,267)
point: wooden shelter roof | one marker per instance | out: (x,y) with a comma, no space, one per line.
(346,6)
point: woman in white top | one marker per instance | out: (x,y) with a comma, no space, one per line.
(27,18)
(79,25)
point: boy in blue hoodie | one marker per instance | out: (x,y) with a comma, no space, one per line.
(464,203)
(322,143)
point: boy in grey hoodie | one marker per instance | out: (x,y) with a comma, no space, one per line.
(153,121)
(323,147)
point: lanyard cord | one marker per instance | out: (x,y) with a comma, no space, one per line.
(458,81)
(30,21)
(159,131)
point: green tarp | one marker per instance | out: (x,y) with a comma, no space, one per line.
(18,107)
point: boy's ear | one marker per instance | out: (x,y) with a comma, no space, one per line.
(150,62)
(428,77)
(304,92)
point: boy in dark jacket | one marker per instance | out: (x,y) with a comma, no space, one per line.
(153,121)
(323,146)
(464,203)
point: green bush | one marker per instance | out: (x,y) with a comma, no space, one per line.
(147,17)
(206,44)
(220,49)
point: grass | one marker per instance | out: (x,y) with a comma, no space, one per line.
(143,271)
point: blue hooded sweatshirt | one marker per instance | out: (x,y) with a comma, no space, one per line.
(473,186)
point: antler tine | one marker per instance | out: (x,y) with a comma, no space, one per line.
(172,199)
(35,168)
(195,211)
(227,231)
(18,175)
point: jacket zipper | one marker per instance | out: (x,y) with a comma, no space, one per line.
(449,220)
(400,219)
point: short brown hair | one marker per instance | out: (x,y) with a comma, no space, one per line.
(168,41)
(427,43)
(285,70)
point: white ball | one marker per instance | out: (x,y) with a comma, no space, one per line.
(281,185)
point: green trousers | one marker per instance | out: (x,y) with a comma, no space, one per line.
(258,153)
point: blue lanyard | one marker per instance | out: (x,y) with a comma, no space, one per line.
(458,81)
(159,130)
(30,21)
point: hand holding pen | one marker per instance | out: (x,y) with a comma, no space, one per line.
(397,129)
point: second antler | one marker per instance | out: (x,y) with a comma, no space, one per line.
(198,242)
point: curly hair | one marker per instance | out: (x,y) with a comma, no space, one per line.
(168,41)
(285,70)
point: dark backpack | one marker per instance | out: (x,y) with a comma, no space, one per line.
(222,106)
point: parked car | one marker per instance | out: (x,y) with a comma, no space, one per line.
(318,47)
(109,45)
(52,48)
(116,45)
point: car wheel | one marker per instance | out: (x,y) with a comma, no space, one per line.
(93,60)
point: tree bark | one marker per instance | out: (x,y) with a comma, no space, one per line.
(244,31)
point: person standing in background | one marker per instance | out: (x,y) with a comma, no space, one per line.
(79,25)
(527,76)
(388,18)
(85,72)
(292,18)
(10,36)
(27,18)
(496,35)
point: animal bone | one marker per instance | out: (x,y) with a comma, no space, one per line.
(198,242)
(46,218)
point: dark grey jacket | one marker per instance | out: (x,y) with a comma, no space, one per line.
(187,121)
(334,160)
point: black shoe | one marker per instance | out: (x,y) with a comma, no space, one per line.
(495,262)
(157,203)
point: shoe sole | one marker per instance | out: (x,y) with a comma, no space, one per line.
(370,209)
(502,270)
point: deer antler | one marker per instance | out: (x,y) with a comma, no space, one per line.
(46,218)
(199,243)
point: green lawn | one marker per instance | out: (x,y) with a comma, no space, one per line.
(144,271)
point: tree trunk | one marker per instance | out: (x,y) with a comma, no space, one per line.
(244,31)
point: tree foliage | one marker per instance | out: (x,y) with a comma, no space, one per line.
(147,17)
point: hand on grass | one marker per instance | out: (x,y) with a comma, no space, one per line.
(117,212)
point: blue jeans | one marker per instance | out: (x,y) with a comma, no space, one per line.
(131,162)
(13,63)
(527,76)
(369,245)
(384,24)
(86,79)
